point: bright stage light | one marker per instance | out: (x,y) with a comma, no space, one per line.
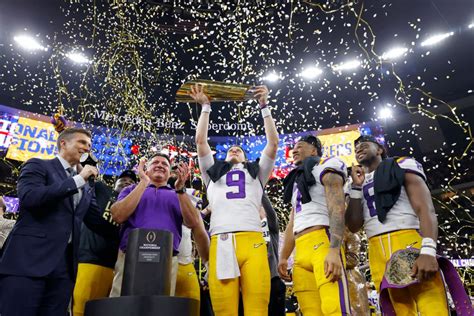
(348,65)
(394,53)
(385,113)
(311,72)
(29,43)
(436,39)
(272,77)
(471,25)
(79,58)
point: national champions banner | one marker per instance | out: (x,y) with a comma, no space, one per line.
(32,138)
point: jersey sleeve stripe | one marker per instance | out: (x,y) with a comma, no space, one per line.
(401,159)
(417,173)
(323,161)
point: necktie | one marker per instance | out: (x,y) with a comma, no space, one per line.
(72,172)
(76,197)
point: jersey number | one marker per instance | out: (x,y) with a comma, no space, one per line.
(370,198)
(236,178)
(298,201)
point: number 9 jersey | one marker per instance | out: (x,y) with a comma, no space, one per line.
(235,198)
(401,215)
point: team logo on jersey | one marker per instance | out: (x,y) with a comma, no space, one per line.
(224,236)
(258,245)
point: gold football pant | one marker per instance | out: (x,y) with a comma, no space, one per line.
(316,294)
(254,280)
(187,283)
(427,298)
(93,282)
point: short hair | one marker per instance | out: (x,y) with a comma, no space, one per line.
(128,174)
(374,140)
(69,132)
(160,155)
(312,140)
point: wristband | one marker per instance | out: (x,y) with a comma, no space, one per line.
(206,107)
(181,191)
(262,105)
(428,250)
(429,242)
(356,194)
(266,112)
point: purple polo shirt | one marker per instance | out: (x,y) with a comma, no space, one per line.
(158,209)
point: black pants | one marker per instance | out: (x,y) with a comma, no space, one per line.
(45,296)
(24,296)
(276,307)
(277,298)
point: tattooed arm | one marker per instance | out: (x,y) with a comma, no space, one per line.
(333,186)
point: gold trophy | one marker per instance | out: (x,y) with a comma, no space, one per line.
(216,91)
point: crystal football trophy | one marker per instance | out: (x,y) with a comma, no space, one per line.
(217,91)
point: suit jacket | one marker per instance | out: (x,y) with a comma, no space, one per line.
(47,220)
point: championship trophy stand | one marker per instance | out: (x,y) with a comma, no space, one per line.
(146,282)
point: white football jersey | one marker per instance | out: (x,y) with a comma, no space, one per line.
(235,198)
(316,212)
(185,255)
(401,215)
(185,250)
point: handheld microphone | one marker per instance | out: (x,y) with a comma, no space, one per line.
(89,159)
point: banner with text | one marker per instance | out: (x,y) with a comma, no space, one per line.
(340,145)
(32,138)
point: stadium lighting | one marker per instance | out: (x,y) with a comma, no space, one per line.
(78,58)
(29,43)
(272,77)
(436,39)
(394,53)
(348,65)
(471,25)
(311,72)
(385,113)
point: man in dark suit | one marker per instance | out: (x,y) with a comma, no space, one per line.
(38,263)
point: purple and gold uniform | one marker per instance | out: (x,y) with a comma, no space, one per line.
(316,294)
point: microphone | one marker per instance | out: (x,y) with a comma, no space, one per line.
(89,159)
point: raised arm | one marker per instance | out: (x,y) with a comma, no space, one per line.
(261,93)
(124,208)
(333,186)
(188,210)
(200,97)
(354,214)
(420,199)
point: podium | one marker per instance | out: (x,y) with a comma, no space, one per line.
(146,280)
